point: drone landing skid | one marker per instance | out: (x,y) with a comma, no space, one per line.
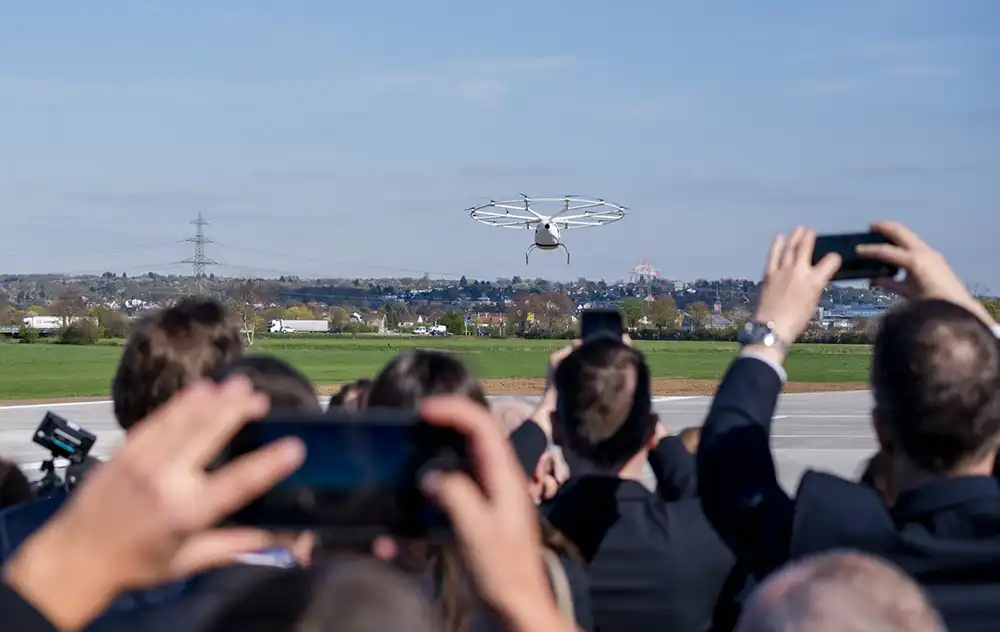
(535,247)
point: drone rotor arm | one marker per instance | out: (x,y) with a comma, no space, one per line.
(520,208)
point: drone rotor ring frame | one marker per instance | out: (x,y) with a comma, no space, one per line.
(514,213)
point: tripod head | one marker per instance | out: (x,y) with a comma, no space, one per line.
(64,440)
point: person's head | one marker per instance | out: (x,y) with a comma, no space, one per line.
(839,592)
(347,595)
(351,397)
(288,391)
(936,381)
(14,486)
(877,474)
(415,375)
(690,437)
(170,350)
(547,473)
(286,387)
(604,414)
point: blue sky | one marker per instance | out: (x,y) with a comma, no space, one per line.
(346,138)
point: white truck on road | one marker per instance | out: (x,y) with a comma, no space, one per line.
(280,326)
(51,323)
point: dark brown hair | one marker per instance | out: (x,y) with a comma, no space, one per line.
(287,388)
(352,396)
(420,373)
(936,381)
(170,350)
(405,381)
(604,407)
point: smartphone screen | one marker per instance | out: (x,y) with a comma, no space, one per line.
(596,322)
(360,478)
(853,266)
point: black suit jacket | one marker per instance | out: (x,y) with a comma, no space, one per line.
(946,535)
(18,614)
(655,562)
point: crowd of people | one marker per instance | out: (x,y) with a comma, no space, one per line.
(556,529)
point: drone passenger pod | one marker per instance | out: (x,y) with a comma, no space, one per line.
(548,217)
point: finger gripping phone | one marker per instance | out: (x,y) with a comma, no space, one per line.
(853,265)
(360,478)
(601,322)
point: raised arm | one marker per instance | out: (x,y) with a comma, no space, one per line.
(674,468)
(737,480)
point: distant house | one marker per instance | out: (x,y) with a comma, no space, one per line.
(716,321)
(492,320)
(713,321)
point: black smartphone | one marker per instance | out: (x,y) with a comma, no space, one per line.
(601,322)
(360,478)
(854,266)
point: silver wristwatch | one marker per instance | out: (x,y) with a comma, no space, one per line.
(758,333)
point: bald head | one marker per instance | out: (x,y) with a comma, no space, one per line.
(839,592)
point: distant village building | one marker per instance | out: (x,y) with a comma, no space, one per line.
(848,316)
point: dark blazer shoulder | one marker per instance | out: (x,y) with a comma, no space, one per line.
(20,615)
(832,512)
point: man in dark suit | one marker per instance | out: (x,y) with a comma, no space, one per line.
(936,383)
(654,561)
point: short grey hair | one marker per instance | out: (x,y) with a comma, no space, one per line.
(840,592)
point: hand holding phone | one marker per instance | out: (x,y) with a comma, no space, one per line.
(854,265)
(361,476)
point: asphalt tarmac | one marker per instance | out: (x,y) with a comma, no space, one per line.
(822,431)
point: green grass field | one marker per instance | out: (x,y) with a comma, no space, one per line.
(48,370)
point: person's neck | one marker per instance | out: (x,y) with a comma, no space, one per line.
(909,476)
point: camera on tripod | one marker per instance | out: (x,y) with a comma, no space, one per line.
(64,440)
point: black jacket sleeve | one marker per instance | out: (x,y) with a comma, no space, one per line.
(18,614)
(737,481)
(675,470)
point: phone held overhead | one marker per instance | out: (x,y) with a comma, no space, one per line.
(853,266)
(601,322)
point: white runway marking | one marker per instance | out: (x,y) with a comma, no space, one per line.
(53,405)
(823,416)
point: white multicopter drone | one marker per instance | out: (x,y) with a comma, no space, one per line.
(576,213)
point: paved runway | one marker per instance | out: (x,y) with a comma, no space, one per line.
(826,431)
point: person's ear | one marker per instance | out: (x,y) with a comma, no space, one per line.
(882,434)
